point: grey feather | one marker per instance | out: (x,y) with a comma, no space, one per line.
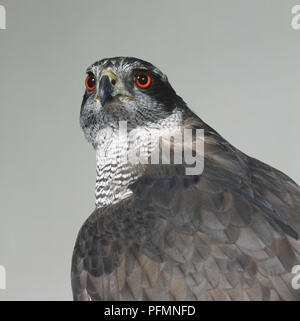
(230,233)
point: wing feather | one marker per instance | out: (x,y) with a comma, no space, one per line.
(230,233)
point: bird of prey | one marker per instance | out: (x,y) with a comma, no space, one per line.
(228,233)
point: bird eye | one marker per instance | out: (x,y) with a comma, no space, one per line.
(90,82)
(142,79)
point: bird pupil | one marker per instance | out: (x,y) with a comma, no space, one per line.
(91,82)
(143,79)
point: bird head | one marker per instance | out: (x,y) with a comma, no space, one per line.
(125,89)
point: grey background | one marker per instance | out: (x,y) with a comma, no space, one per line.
(236,63)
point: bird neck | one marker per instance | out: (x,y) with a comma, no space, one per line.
(119,155)
(113,172)
(115,169)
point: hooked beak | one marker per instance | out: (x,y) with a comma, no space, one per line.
(109,89)
(105,90)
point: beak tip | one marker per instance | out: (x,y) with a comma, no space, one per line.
(104,99)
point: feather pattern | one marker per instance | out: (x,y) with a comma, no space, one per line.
(229,233)
(224,235)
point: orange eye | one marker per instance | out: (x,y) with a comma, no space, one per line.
(142,79)
(90,82)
